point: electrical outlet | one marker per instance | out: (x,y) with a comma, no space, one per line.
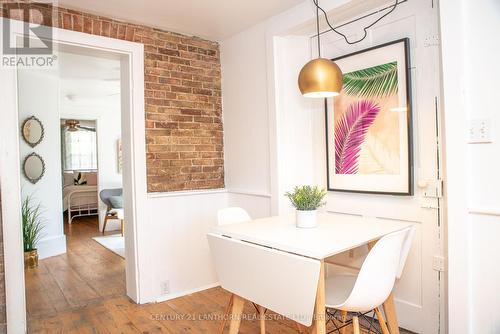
(165,287)
(479,131)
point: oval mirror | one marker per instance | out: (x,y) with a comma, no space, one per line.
(33,167)
(32,131)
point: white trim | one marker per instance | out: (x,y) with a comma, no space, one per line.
(11,204)
(485,211)
(138,273)
(208,192)
(186,292)
(186,193)
(249,193)
(51,246)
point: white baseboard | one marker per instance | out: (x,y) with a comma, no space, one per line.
(170,296)
(51,246)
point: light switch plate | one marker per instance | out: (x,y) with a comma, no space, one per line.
(479,131)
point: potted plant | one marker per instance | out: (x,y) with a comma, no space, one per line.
(307,200)
(32,228)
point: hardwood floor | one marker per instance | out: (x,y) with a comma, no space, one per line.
(83,291)
(86,274)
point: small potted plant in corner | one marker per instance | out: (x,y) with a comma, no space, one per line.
(307,200)
(32,228)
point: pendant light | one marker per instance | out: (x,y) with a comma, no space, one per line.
(320,77)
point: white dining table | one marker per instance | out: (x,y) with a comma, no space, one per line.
(335,233)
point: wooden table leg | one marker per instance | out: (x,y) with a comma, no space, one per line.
(236,313)
(226,314)
(319,321)
(390,314)
(262,319)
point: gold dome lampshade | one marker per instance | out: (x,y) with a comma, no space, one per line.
(320,78)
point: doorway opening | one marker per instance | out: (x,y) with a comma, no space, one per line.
(81,244)
(131,87)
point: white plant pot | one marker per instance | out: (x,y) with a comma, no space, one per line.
(306,218)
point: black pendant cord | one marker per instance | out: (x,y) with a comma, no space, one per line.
(365,29)
(317,27)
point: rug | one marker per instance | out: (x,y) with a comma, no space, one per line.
(114,242)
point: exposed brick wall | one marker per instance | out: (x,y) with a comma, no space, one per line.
(182,93)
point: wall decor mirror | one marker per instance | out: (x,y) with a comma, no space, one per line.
(32,131)
(33,167)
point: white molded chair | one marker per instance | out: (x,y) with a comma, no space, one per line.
(375,281)
(232,215)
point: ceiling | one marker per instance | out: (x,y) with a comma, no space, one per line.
(88,80)
(212,19)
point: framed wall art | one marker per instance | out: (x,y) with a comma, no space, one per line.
(369,125)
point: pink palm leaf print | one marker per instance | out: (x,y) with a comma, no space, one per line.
(350,133)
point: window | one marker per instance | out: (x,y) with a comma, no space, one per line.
(79,150)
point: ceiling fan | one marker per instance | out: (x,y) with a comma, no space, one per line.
(73,125)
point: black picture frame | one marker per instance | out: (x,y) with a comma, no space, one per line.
(410,191)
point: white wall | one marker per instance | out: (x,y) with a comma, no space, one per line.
(38,96)
(470,71)
(106,112)
(246,124)
(179,222)
(296,126)
(250,133)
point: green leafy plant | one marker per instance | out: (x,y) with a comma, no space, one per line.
(32,223)
(307,197)
(380,81)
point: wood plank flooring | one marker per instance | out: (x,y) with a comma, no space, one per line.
(86,274)
(83,291)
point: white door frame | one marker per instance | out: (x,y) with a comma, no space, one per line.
(134,171)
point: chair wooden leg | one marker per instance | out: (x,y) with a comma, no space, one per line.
(236,312)
(226,313)
(105,222)
(390,313)
(262,319)
(381,321)
(355,325)
(343,318)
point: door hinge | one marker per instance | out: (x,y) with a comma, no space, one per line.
(438,263)
(431,188)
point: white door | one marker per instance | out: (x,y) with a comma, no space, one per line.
(418,292)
